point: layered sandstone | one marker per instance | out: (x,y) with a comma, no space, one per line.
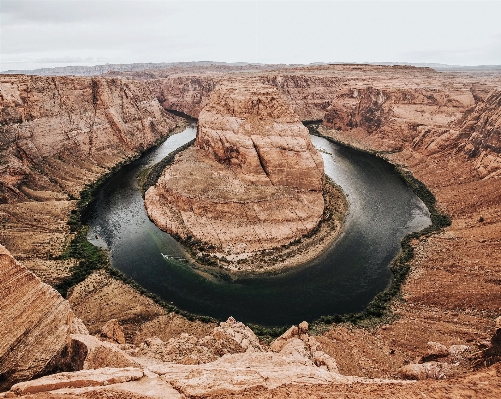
(35,322)
(59,133)
(253,181)
(441,126)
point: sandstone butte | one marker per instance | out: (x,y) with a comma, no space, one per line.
(253,181)
(59,133)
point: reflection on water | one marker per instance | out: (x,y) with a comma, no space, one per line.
(343,279)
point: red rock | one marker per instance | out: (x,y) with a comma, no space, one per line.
(113,331)
(252,182)
(429,370)
(59,133)
(34,322)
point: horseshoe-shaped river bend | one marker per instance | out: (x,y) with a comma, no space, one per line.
(343,279)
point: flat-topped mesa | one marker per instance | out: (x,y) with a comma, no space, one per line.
(253,180)
(252,129)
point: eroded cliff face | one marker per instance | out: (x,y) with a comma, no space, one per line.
(187,93)
(34,322)
(57,134)
(482,129)
(253,181)
(253,130)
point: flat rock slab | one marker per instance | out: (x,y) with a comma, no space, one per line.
(78,379)
(240,371)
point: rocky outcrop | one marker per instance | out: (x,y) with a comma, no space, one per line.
(227,338)
(113,331)
(295,358)
(59,133)
(482,127)
(35,322)
(428,370)
(251,129)
(297,344)
(85,352)
(253,181)
(440,362)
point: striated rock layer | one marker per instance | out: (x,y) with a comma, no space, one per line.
(253,181)
(59,133)
(35,322)
(441,126)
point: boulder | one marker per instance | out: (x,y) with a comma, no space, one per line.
(429,370)
(114,331)
(436,350)
(98,354)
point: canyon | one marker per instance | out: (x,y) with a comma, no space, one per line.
(59,134)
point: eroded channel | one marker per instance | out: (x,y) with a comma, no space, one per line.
(343,279)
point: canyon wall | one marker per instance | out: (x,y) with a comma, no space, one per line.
(443,127)
(57,134)
(312,90)
(34,322)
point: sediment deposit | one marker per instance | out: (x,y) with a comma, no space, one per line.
(443,127)
(253,181)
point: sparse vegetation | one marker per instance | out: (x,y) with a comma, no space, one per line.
(378,310)
(90,258)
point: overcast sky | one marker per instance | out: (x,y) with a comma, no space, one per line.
(48,33)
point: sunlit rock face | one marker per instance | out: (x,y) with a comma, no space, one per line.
(252,129)
(58,134)
(252,181)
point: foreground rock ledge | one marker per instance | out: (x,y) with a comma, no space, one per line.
(253,180)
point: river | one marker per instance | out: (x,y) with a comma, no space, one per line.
(343,279)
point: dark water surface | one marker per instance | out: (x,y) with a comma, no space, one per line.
(343,279)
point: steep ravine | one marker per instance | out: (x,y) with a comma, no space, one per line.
(452,295)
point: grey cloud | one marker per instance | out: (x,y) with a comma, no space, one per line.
(66,12)
(288,32)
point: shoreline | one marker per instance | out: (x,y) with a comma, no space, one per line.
(379,309)
(88,257)
(286,258)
